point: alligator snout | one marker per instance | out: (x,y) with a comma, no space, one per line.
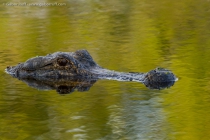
(10,69)
(13,70)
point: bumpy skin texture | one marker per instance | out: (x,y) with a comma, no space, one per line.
(80,65)
(55,66)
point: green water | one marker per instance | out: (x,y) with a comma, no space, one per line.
(126,35)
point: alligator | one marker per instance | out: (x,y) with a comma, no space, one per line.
(64,66)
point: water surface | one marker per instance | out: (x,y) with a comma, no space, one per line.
(125,36)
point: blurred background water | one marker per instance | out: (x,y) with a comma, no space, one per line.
(122,35)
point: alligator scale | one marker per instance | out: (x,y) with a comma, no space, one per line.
(68,66)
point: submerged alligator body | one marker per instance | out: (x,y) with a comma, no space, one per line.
(63,66)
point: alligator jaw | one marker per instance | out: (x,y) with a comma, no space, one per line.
(47,74)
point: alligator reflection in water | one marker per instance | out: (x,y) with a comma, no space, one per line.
(77,70)
(65,86)
(62,86)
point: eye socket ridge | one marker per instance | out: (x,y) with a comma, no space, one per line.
(62,61)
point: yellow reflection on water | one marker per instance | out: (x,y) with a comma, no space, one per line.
(120,35)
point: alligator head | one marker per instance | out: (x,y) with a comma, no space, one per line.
(55,66)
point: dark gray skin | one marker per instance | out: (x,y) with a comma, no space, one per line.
(80,65)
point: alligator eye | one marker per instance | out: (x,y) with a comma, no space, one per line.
(62,62)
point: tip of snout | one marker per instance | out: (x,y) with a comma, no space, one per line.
(8,69)
(12,70)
